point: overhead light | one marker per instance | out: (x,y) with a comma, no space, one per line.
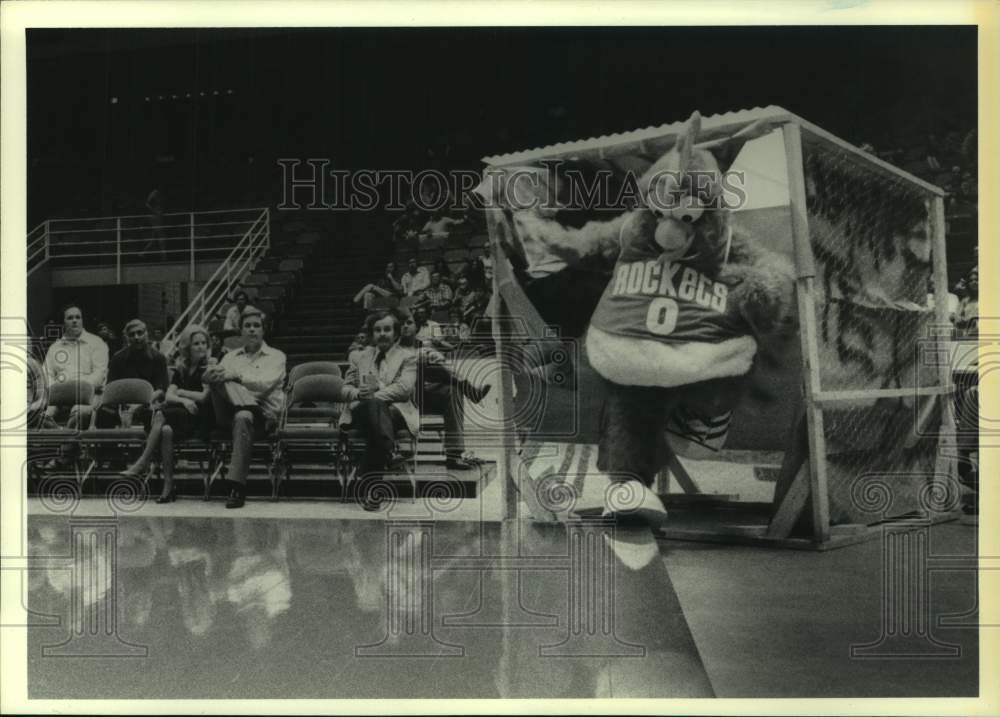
(188,94)
(147,99)
(215,92)
(173,97)
(202,94)
(114,100)
(229,92)
(161,97)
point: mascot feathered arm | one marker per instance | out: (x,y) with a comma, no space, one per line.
(571,244)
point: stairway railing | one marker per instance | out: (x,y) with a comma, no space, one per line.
(208,302)
(181,237)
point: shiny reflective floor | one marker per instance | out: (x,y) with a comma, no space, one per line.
(198,607)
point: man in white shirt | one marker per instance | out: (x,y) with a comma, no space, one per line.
(416,278)
(247,391)
(77,355)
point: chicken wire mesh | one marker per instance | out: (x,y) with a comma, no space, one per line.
(870,236)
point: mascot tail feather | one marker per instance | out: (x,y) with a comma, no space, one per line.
(630,361)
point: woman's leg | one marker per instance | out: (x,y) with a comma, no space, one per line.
(152,440)
(167,459)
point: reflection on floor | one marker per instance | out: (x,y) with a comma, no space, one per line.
(186,607)
(160,606)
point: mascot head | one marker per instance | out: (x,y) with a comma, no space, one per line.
(682,196)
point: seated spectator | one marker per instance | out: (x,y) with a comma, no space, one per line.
(456,330)
(186,412)
(487,261)
(473,271)
(232,322)
(442,268)
(415,280)
(137,360)
(385,287)
(379,387)
(429,332)
(406,228)
(217,349)
(77,355)
(438,295)
(360,342)
(436,395)
(247,395)
(157,338)
(470,302)
(108,336)
(967,321)
(440,225)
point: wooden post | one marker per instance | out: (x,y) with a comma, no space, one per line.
(505,465)
(936,225)
(806,272)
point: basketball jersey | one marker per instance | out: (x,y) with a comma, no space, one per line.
(651,298)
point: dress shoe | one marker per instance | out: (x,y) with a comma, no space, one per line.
(168,497)
(475,393)
(396,462)
(237,497)
(371,503)
(133,472)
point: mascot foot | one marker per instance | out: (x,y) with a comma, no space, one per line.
(632,503)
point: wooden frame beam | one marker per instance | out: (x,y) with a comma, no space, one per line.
(806,271)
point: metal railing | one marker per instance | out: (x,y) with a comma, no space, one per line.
(144,239)
(208,302)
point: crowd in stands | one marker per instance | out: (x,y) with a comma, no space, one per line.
(242,392)
(455,297)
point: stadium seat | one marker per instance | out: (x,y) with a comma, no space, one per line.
(313,368)
(317,437)
(69,398)
(125,394)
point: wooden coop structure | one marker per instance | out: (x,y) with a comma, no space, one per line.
(848,423)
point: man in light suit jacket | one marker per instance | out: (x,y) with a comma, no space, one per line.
(379,387)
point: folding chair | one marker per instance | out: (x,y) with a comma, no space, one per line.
(66,400)
(71,398)
(313,368)
(125,395)
(317,434)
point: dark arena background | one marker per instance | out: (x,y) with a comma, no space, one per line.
(426,482)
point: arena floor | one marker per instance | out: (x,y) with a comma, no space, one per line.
(318,599)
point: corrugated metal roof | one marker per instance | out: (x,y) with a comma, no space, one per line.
(657,140)
(611,144)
